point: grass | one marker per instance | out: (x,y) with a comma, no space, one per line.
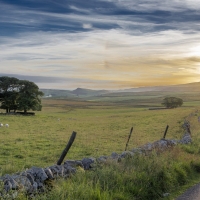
(40,139)
(140,177)
(103,128)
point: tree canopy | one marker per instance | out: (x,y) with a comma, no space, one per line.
(172,102)
(18,94)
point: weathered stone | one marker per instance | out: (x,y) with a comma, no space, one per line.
(137,150)
(7,185)
(39,185)
(102,159)
(39,174)
(87,163)
(73,163)
(148,147)
(127,154)
(186,139)
(49,173)
(29,176)
(60,169)
(33,188)
(161,145)
(171,143)
(55,170)
(22,181)
(114,155)
(69,169)
(12,181)
(174,142)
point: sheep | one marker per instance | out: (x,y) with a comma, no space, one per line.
(6,125)
(1,125)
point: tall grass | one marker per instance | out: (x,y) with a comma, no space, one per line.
(139,177)
(39,140)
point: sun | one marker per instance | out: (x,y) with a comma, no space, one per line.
(195,51)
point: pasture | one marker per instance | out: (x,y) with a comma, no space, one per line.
(102,128)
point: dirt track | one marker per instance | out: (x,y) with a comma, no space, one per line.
(192,193)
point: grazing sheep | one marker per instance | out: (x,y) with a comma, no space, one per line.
(7,125)
(1,125)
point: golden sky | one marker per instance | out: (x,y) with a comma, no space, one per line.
(107,45)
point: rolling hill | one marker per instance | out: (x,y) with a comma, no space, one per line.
(83,92)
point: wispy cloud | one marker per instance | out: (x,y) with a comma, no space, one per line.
(111,43)
(152,5)
(87,26)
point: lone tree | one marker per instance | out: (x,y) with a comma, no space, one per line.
(172,102)
(19,95)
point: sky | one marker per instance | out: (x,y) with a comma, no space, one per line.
(100,44)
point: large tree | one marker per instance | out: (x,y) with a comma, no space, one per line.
(172,102)
(29,96)
(9,101)
(8,83)
(8,93)
(19,95)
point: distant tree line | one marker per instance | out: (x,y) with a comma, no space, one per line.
(19,95)
(172,102)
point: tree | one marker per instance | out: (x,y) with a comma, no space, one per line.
(9,101)
(8,83)
(172,102)
(29,96)
(19,95)
(8,93)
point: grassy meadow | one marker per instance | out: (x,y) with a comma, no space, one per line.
(102,128)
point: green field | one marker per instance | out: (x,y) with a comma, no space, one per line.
(102,128)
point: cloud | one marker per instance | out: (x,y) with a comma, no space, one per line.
(101,42)
(87,26)
(79,9)
(151,5)
(106,56)
(37,79)
(144,16)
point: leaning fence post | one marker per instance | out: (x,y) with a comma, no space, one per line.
(165,133)
(69,144)
(129,138)
(188,127)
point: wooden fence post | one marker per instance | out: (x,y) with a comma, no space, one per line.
(69,144)
(129,138)
(165,133)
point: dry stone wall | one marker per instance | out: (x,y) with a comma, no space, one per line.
(34,179)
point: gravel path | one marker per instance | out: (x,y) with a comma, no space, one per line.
(192,193)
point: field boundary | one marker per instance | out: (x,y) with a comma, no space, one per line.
(33,180)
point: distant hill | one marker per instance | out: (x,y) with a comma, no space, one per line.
(88,92)
(82,92)
(74,93)
(57,93)
(190,87)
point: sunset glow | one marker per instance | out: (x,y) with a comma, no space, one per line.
(100,44)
